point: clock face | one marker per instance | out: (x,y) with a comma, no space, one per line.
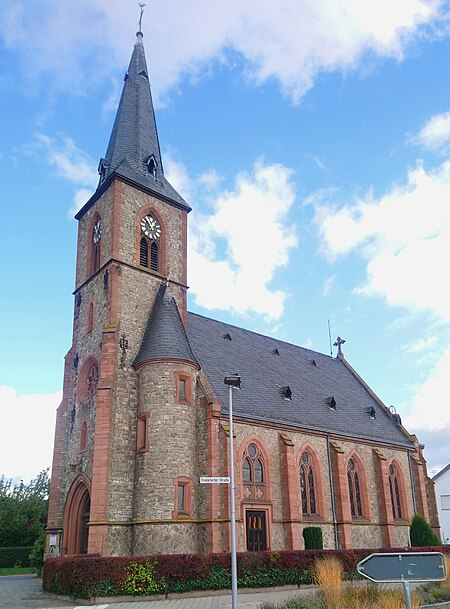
(97,232)
(150,227)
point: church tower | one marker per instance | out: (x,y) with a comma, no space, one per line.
(123,456)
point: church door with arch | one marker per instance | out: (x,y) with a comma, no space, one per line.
(76,519)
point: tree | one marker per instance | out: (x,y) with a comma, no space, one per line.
(421,533)
(23,510)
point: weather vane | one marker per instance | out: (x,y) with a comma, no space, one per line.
(140,18)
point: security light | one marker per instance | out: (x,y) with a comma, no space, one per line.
(233,380)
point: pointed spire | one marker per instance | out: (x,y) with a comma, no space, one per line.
(165,336)
(133,151)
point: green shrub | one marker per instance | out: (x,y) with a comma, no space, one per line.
(141,579)
(37,553)
(313,538)
(15,556)
(421,533)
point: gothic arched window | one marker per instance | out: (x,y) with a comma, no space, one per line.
(307,485)
(253,472)
(354,488)
(395,491)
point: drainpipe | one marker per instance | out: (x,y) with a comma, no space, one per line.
(333,501)
(412,483)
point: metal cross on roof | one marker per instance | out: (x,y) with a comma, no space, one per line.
(140,18)
(339,342)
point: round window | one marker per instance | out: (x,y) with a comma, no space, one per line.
(87,380)
(252,450)
(351,464)
(391,470)
(305,458)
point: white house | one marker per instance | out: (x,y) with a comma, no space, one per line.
(442,487)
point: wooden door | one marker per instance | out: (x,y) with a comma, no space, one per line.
(256,530)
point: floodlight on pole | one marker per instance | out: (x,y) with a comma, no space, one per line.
(232,380)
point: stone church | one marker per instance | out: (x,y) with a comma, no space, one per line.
(144,412)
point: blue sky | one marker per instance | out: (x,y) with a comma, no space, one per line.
(312,140)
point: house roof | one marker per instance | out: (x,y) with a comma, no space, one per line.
(439,474)
(134,137)
(164,336)
(325,395)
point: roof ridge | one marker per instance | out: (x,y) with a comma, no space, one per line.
(278,340)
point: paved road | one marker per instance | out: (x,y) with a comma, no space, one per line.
(25,592)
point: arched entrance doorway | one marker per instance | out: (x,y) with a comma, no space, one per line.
(76,517)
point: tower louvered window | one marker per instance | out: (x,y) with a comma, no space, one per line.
(154,256)
(143,252)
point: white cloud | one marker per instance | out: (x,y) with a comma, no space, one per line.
(421,345)
(27,432)
(76,45)
(70,163)
(429,407)
(82,196)
(178,176)
(435,134)
(436,447)
(241,244)
(404,238)
(328,284)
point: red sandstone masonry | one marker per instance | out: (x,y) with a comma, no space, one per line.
(384,499)
(341,497)
(289,492)
(420,488)
(102,444)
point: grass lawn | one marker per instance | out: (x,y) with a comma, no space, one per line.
(16,570)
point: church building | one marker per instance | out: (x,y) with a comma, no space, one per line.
(144,413)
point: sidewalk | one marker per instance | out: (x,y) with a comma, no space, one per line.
(25,592)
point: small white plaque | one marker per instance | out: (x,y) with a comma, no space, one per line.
(214,480)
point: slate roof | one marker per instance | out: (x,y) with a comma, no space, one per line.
(313,379)
(134,137)
(164,336)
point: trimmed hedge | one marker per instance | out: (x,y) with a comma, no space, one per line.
(93,576)
(15,556)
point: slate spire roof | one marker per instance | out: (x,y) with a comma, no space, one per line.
(133,150)
(165,336)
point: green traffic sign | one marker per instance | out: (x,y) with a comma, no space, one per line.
(403,567)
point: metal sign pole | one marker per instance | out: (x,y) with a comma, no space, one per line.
(234,600)
(407,593)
